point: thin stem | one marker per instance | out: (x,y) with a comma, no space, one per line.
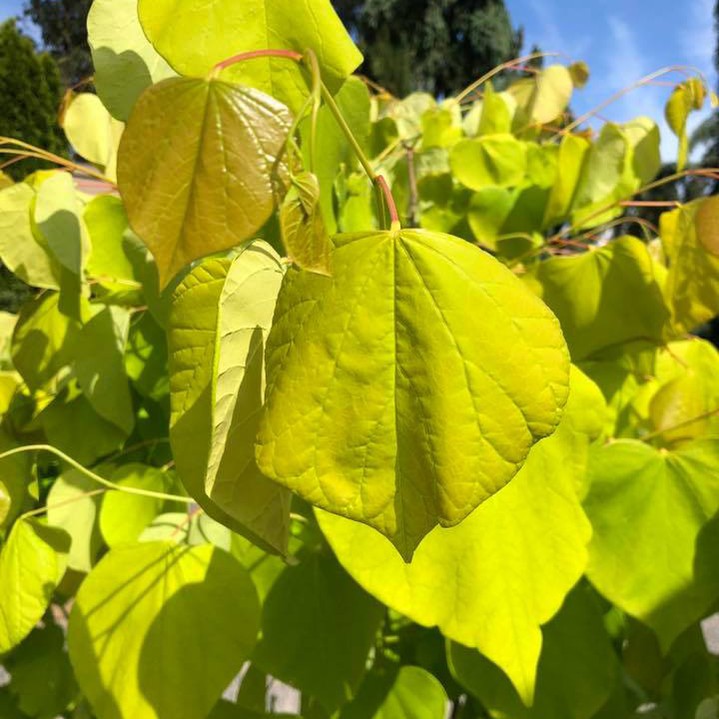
(710,172)
(391,206)
(316,95)
(252,55)
(647,79)
(57,505)
(510,64)
(339,117)
(32,151)
(91,475)
(679,425)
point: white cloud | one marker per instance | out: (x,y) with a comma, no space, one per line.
(697,39)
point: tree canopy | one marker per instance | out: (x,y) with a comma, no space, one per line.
(427,45)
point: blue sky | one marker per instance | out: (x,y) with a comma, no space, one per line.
(621,40)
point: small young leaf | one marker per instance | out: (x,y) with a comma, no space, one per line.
(20,250)
(32,563)
(100,367)
(303,230)
(197,167)
(490,160)
(396,692)
(124,516)
(687,96)
(92,132)
(356,419)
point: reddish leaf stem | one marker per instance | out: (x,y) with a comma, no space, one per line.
(251,55)
(389,199)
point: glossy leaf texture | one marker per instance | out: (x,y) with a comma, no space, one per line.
(198,167)
(357,423)
(228,28)
(221,316)
(494,579)
(157,613)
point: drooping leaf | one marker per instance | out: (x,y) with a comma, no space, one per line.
(303,229)
(100,366)
(493,580)
(358,423)
(124,516)
(497,112)
(124,60)
(588,293)
(186,618)
(551,93)
(71,507)
(197,167)
(228,28)
(318,627)
(572,152)
(32,563)
(576,674)
(58,216)
(405,692)
(92,131)
(687,96)
(658,567)
(499,160)
(20,251)
(692,282)
(221,314)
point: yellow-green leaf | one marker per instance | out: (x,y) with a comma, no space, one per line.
(194,35)
(303,230)
(358,422)
(197,167)
(125,62)
(32,563)
(492,581)
(221,314)
(185,618)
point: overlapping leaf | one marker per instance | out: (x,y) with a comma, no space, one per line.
(492,581)
(221,314)
(32,563)
(357,420)
(156,614)
(124,60)
(197,167)
(194,35)
(658,567)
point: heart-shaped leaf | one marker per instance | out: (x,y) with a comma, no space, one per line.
(360,419)
(197,165)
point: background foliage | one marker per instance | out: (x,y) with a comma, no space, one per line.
(253,428)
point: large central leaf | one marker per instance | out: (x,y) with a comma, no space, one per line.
(196,167)
(409,387)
